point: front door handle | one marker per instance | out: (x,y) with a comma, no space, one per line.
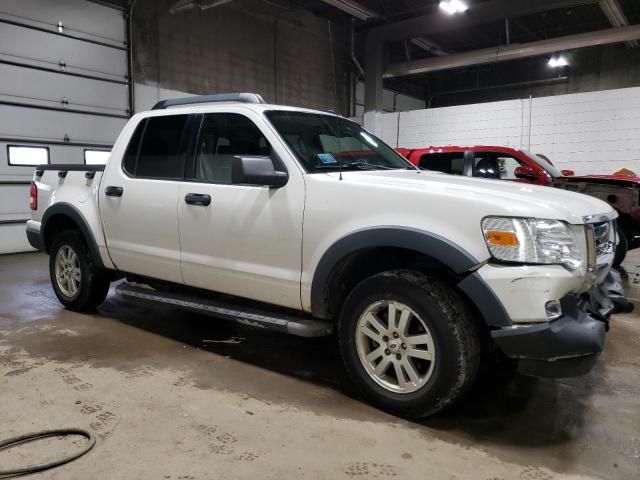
(198,199)
(114,191)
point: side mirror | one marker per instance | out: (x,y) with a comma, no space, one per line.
(567,173)
(525,173)
(257,170)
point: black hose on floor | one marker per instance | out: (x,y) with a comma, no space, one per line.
(31,437)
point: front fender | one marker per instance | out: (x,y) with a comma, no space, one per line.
(444,251)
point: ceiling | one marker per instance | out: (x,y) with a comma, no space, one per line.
(529,28)
(540,26)
(522,29)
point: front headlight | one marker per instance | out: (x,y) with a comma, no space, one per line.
(532,240)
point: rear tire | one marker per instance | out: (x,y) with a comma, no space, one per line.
(77,282)
(433,334)
(621,249)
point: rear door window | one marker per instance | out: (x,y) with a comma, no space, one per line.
(162,150)
(445,162)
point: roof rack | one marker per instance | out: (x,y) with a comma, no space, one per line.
(222,97)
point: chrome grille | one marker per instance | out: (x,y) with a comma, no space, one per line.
(601,245)
(602,238)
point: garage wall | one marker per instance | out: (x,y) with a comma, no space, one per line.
(63,71)
(284,54)
(594,132)
(391,101)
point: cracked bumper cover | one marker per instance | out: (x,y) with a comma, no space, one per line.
(568,346)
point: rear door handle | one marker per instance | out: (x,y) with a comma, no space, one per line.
(198,199)
(114,191)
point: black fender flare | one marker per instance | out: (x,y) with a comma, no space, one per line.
(458,260)
(68,210)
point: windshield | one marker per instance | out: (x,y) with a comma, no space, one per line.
(326,142)
(548,167)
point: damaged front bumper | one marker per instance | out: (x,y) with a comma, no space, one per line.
(568,346)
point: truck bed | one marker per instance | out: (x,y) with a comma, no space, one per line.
(622,193)
(71,183)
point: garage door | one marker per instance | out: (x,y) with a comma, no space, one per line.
(64,94)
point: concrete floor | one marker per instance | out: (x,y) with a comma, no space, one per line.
(173,395)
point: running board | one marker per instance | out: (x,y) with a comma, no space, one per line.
(279,322)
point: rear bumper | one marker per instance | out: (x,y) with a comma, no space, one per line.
(34,236)
(568,346)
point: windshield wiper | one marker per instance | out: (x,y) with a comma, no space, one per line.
(367,166)
(358,164)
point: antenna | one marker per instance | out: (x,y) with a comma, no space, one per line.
(339,147)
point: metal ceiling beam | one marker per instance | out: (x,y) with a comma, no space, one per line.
(353,8)
(122,6)
(429,46)
(514,52)
(480,13)
(615,15)
(363,13)
(183,5)
(484,12)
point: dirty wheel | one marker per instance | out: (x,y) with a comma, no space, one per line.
(621,249)
(408,342)
(76,281)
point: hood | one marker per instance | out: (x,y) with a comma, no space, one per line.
(501,196)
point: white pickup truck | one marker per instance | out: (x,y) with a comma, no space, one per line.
(302,221)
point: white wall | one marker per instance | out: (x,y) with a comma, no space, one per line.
(594,132)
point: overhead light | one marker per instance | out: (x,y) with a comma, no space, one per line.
(559,61)
(453,6)
(183,5)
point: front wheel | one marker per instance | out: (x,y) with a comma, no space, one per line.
(408,342)
(77,282)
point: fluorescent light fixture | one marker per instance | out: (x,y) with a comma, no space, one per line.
(96,157)
(453,6)
(24,155)
(557,62)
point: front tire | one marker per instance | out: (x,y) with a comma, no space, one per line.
(77,282)
(621,249)
(408,342)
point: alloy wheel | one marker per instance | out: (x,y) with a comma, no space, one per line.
(67,271)
(395,346)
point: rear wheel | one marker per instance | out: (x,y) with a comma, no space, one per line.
(409,342)
(77,282)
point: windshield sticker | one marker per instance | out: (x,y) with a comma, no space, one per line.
(327,158)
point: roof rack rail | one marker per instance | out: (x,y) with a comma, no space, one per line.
(222,97)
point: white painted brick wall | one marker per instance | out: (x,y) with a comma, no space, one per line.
(594,132)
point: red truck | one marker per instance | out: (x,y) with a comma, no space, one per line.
(505,163)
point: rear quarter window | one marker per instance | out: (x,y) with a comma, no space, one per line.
(131,154)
